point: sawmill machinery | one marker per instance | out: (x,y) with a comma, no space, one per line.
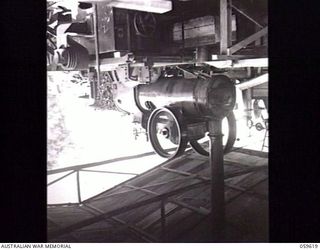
(172,65)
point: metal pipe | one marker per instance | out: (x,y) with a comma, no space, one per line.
(78,186)
(217,179)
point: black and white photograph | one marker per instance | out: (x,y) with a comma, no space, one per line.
(157,121)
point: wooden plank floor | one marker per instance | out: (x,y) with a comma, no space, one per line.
(179,190)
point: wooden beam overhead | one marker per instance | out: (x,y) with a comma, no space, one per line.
(224,26)
(242,63)
(254,82)
(248,40)
(155,6)
(229,23)
(246,15)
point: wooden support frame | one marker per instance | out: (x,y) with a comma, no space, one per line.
(129,191)
(156,6)
(249,151)
(230,200)
(225,26)
(248,40)
(157,197)
(167,213)
(253,82)
(94,164)
(96,46)
(245,191)
(58,226)
(163,220)
(149,237)
(201,211)
(145,236)
(186,175)
(229,22)
(227,176)
(124,209)
(246,15)
(108,172)
(60,178)
(240,63)
(194,176)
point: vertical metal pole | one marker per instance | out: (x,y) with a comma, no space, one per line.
(78,186)
(96,43)
(163,221)
(217,180)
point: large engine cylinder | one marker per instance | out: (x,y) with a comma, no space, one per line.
(214,97)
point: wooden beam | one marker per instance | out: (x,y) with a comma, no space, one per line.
(98,211)
(59,226)
(195,176)
(246,15)
(130,191)
(108,214)
(155,6)
(163,220)
(108,172)
(229,23)
(254,82)
(245,191)
(94,164)
(257,43)
(96,49)
(168,213)
(248,40)
(60,178)
(242,63)
(202,211)
(223,26)
(250,152)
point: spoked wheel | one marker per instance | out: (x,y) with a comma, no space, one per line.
(144,23)
(167,133)
(228,144)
